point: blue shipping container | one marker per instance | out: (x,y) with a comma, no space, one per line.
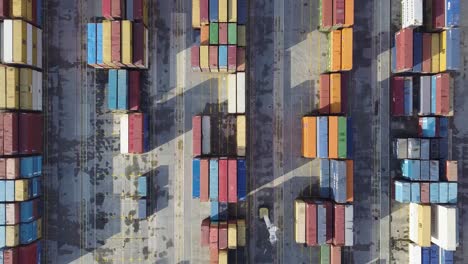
(445,256)
(2,214)
(453,49)
(394,55)
(10,191)
(214,5)
(242,12)
(425,149)
(99,59)
(322,137)
(433,93)
(122,90)
(415,192)
(223,57)
(142,211)
(434,170)
(2,236)
(223,211)
(91,43)
(112,90)
(425,255)
(27,232)
(417,52)
(214,180)
(425,170)
(402,192)
(142,186)
(408,92)
(452,192)
(214,212)
(39,252)
(434,254)
(443,127)
(428,126)
(27,167)
(39,16)
(196,178)
(324,178)
(241,180)
(2,191)
(35,187)
(443,192)
(452,13)
(338,180)
(129,10)
(321,224)
(434,192)
(26,211)
(37,165)
(443,148)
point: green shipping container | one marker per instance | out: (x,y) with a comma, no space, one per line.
(214,33)
(232,34)
(342,136)
(325,254)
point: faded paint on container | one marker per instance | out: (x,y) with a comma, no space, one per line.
(204,180)
(300,221)
(241,135)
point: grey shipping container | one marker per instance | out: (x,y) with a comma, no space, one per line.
(425,170)
(338,171)
(206,135)
(414,148)
(349,225)
(321,224)
(142,209)
(402,148)
(324,178)
(434,170)
(434,149)
(425,96)
(425,148)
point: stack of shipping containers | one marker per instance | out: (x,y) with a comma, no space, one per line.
(327,136)
(425,54)
(221,180)
(21,132)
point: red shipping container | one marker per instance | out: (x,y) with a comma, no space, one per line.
(214,236)
(135,133)
(427,53)
(324,99)
(404,47)
(28,254)
(223,235)
(106,9)
(438,14)
(204,180)
(205,232)
(232,179)
(223,33)
(12,213)
(15,256)
(240,59)
(196,135)
(116,8)
(12,168)
(195,58)
(2,168)
(204,15)
(338,229)
(213,56)
(425,192)
(232,58)
(398,103)
(311,224)
(329,232)
(335,255)
(223,180)
(139,45)
(443,94)
(10,133)
(338,12)
(214,257)
(2,131)
(134,90)
(138,10)
(115,43)
(327,13)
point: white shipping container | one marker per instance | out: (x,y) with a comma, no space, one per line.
(412,13)
(425,95)
(146,48)
(349,225)
(39,48)
(413,222)
(300,221)
(124,134)
(7,41)
(29,45)
(241,92)
(206,135)
(232,94)
(444,231)
(415,256)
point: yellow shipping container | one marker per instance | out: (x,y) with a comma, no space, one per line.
(241,36)
(3,90)
(21,190)
(300,221)
(223,11)
(241,240)
(222,257)
(12,88)
(435,51)
(347,49)
(12,236)
(106,42)
(232,9)
(29,10)
(34,46)
(349,13)
(241,137)
(443,51)
(424,225)
(309,137)
(39,228)
(204,64)
(335,51)
(335,93)
(196,13)
(19,41)
(232,235)
(18,9)
(26,88)
(127,49)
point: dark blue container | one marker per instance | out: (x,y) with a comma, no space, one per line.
(425,255)
(443,127)
(452,13)
(417,52)
(27,167)
(122,89)
(37,165)
(425,149)
(91,47)
(408,93)
(196,178)
(443,148)
(428,126)
(214,11)
(28,232)
(242,12)
(39,14)
(394,55)
(112,90)
(434,170)
(26,211)
(453,49)
(434,254)
(446,257)
(129,10)
(223,211)
(325,178)
(241,180)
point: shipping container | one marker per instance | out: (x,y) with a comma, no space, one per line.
(414,148)
(325,254)
(425,95)
(339,225)
(204,180)
(398,98)
(214,211)
(240,54)
(214,235)
(115,43)
(205,35)
(213,58)
(445,231)
(214,33)
(445,256)
(415,192)
(427,53)
(223,180)
(122,89)
(325,178)
(349,13)
(335,93)
(91,47)
(240,91)
(452,192)
(204,14)
(214,180)
(335,254)
(338,13)
(232,34)
(241,180)
(241,134)
(349,225)
(335,53)
(206,135)
(124,146)
(322,137)
(324,99)
(438,14)
(434,192)
(418,51)
(412,13)
(401,148)
(404,49)
(232,93)
(242,12)
(223,257)
(232,58)
(205,232)
(241,36)
(300,221)
(232,234)
(223,11)
(214,255)
(195,58)
(232,11)
(333,137)
(347,49)
(425,149)
(450,50)
(196,178)
(452,13)
(408,96)
(309,137)
(223,235)
(311,224)
(451,170)
(241,233)
(223,58)
(214,11)
(326,14)
(402,191)
(435,52)
(232,181)
(204,58)
(195,14)
(142,187)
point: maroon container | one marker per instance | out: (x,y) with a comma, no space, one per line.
(240,59)
(106,9)
(115,43)
(335,255)
(327,13)
(425,192)
(10,133)
(139,45)
(451,170)
(223,181)
(338,12)
(28,254)
(205,232)
(311,224)
(223,33)
(134,90)
(427,53)
(19,256)
(135,133)
(116,8)
(4,8)
(443,94)
(329,232)
(398,104)
(12,168)
(12,213)
(338,229)
(404,47)
(195,58)
(232,181)
(196,135)
(34,13)
(138,10)
(25,136)
(438,14)
(213,56)
(232,58)
(204,15)
(214,234)
(204,180)
(223,235)
(324,94)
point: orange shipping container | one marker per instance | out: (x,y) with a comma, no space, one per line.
(333,137)
(347,49)
(335,51)
(205,35)
(349,13)
(349,180)
(309,137)
(335,93)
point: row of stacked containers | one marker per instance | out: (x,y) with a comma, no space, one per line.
(221,180)
(21,131)
(326,220)
(425,55)
(118,43)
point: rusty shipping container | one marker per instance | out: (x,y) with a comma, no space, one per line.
(196,135)
(213,58)
(427,53)
(204,180)
(404,47)
(311,224)
(338,228)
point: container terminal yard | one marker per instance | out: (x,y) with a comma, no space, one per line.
(233,131)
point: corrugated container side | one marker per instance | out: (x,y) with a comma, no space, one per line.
(240,54)
(347,49)
(322,137)
(242,12)
(206,135)
(325,254)
(214,180)
(427,53)
(232,93)
(223,180)
(398,106)
(338,13)
(438,14)
(241,179)
(241,233)
(418,51)
(311,219)
(335,53)
(232,181)
(339,225)
(300,221)
(326,14)
(349,13)
(241,135)
(349,225)
(195,58)
(204,13)
(214,11)
(196,178)
(333,137)
(204,180)
(195,13)
(112,90)
(324,101)
(349,180)
(241,97)
(232,58)
(321,224)
(453,49)
(324,178)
